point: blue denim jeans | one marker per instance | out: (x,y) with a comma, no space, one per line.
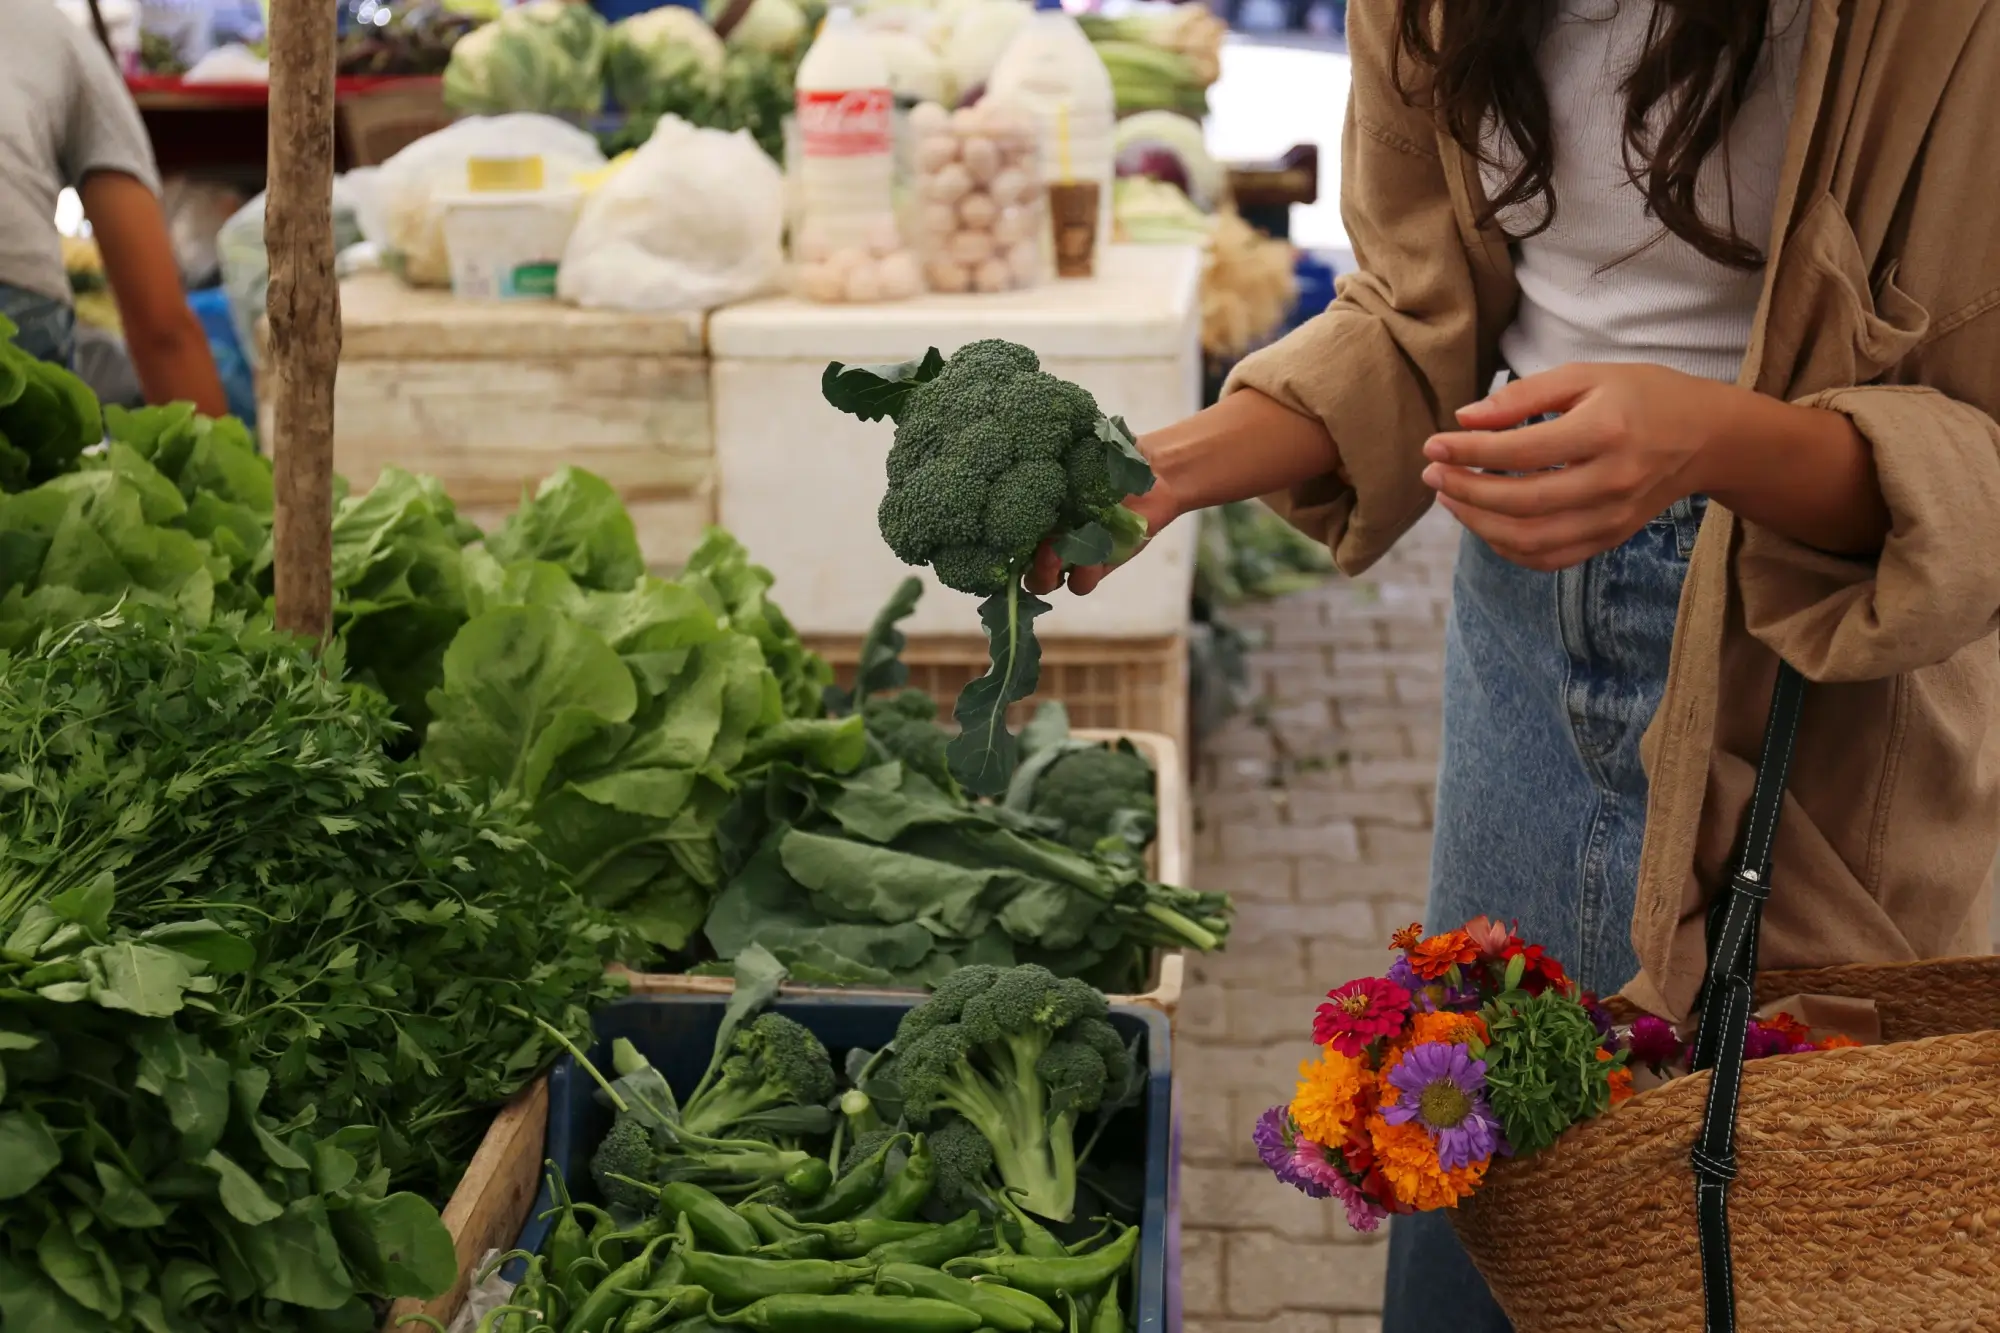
(47,326)
(1549,681)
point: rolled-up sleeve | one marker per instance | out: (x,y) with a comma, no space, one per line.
(1935,587)
(1399,350)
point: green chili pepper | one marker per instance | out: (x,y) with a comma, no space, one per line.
(1045,1318)
(567,1241)
(852,1314)
(765,1219)
(715,1222)
(612,1249)
(1109,1225)
(651,1309)
(995,1312)
(611,1297)
(700,1323)
(1036,1240)
(1051,1278)
(855,1190)
(809,1179)
(739,1281)
(851,1240)
(933,1247)
(908,1188)
(1109,1318)
(798,1246)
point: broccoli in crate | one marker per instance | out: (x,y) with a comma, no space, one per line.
(991,458)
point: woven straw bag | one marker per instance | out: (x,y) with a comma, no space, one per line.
(1851,1191)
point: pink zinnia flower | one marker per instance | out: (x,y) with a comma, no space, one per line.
(1489,935)
(1314,1162)
(1359,1013)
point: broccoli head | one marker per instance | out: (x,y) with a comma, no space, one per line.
(772,1062)
(990,458)
(626,1151)
(1020,1055)
(905,726)
(1087,787)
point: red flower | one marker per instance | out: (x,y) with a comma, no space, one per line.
(1793,1031)
(1541,971)
(1360,1012)
(1407,937)
(1434,957)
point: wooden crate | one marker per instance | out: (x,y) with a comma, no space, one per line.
(490,397)
(1124,685)
(490,1205)
(1166,861)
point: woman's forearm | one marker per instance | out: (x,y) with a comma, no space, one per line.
(1245,446)
(1802,472)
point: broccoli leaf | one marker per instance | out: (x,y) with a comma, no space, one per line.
(874,392)
(880,668)
(1130,471)
(1088,545)
(983,755)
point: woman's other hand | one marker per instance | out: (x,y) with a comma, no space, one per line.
(1630,440)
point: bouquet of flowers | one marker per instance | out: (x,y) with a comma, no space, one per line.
(1475,1044)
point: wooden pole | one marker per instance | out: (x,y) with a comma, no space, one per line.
(303,309)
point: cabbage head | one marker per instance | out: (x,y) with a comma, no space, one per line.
(663,56)
(546,56)
(775,27)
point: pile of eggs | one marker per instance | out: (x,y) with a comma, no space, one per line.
(980,197)
(881,269)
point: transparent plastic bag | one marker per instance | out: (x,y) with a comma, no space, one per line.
(399,211)
(246,268)
(694,220)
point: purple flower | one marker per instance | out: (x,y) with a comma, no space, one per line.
(1762,1041)
(1278,1144)
(1444,1090)
(1430,996)
(1654,1042)
(1600,1017)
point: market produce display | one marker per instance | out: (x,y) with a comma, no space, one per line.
(1248,553)
(545,55)
(984,205)
(899,1212)
(417,39)
(992,456)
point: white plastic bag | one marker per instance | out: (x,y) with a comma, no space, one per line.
(693,221)
(399,211)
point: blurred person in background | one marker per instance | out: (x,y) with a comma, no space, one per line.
(67,121)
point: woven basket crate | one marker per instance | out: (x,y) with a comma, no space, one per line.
(1126,685)
(1867,1196)
(1166,861)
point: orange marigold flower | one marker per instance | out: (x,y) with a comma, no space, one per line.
(1434,957)
(1334,1093)
(1408,1160)
(1621,1086)
(1838,1041)
(1794,1032)
(1407,937)
(1445,1025)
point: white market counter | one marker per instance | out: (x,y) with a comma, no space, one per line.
(493,396)
(799,482)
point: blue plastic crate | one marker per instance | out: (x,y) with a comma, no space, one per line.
(677,1033)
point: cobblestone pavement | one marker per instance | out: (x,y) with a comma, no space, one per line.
(1315,811)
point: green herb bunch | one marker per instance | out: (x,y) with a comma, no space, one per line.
(1543,1071)
(406,935)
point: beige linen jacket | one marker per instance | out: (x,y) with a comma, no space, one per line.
(1882,302)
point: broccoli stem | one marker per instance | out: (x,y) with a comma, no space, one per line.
(1067,867)
(1035,1158)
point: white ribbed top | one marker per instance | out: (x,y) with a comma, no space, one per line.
(1665,303)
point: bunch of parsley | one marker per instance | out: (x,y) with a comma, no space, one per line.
(407,936)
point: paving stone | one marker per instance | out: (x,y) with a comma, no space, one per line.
(1265,1273)
(1316,815)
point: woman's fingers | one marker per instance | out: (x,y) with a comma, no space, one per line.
(1081,581)
(1544,543)
(1045,575)
(1594,484)
(1547,444)
(1514,402)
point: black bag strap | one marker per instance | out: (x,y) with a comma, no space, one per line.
(1729,997)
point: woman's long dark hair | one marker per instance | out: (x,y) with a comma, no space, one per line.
(1479,59)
